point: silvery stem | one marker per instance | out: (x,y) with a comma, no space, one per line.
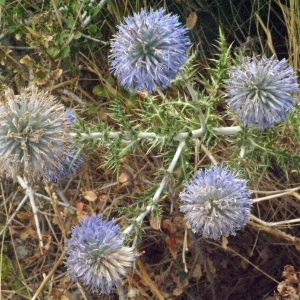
(160,188)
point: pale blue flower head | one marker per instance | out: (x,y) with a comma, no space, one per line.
(148,50)
(216,203)
(96,254)
(66,167)
(71,161)
(262,91)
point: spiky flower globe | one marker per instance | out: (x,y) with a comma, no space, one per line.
(216,203)
(71,162)
(96,254)
(34,134)
(148,50)
(68,166)
(262,91)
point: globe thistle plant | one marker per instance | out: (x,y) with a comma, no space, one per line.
(34,134)
(216,203)
(96,254)
(262,91)
(148,50)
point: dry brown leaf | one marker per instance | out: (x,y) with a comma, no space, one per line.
(177,291)
(288,291)
(79,207)
(146,280)
(103,114)
(60,294)
(179,240)
(64,282)
(31,232)
(191,20)
(169,225)
(55,74)
(79,211)
(138,188)
(155,223)
(27,60)
(18,37)
(211,267)
(180,285)
(124,179)
(90,196)
(55,220)
(170,240)
(103,197)
(123,159)
(180,222)
(289,272)
(24,215)
(177,173)
(23,235)
(197,273)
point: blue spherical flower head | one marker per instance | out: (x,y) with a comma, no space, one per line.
(262,91)
(96,254)
(68,166)
(148,50)
(216,203)
(71,162)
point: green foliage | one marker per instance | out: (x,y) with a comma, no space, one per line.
(6,266)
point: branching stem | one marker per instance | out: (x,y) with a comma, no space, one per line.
(151,135)
(160,188)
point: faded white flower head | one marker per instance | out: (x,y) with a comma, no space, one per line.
(34,134)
